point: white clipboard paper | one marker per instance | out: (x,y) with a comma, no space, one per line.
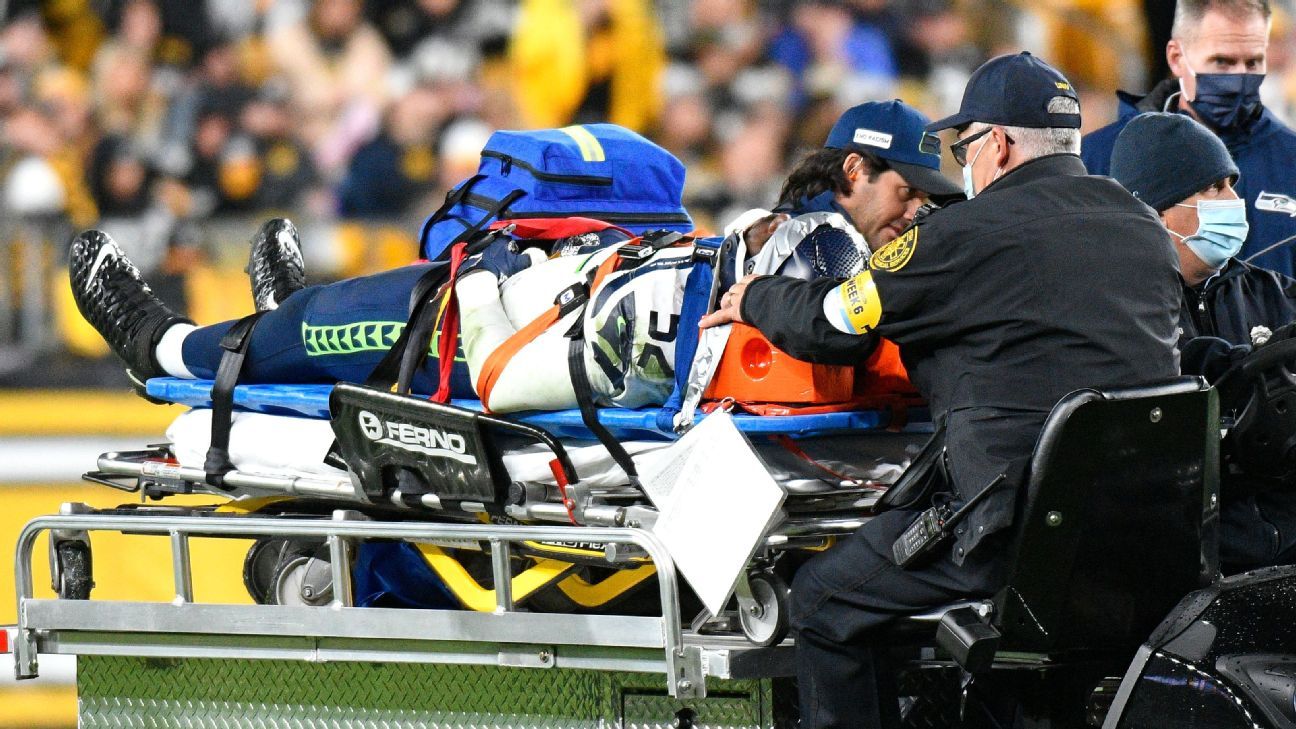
(716,500)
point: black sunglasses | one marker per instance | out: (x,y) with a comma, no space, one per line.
(959,148)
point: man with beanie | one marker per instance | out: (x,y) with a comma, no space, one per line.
(1046,280)
(1184,172)
(1218,53)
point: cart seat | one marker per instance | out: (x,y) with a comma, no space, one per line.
(1121,525)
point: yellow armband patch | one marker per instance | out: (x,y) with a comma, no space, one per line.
(854,306)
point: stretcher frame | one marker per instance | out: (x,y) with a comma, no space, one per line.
(338,631)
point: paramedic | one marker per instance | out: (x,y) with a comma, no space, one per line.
(1045,281)
(1218,54)
(875,170)
(1184,172)
(876,167)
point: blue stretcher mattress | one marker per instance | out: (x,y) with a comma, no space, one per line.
(311,401)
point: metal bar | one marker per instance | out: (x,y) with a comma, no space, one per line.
(233,624)
(340,565)
(337,488)
(503,573)
(340,488)
(107,643)
(680,665)
(180,568)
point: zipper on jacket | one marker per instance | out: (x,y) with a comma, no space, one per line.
(507,163)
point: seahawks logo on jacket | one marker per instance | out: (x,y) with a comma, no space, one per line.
(1275,203)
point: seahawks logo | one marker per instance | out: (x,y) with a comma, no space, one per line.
(894,255)
(1275,203)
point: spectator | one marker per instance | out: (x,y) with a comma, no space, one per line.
(287,171)
(593,60)
(460,149)
(398,166)
(828,49)
(337,69)
(221,88)
(406,24)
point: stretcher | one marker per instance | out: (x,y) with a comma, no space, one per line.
(540,468)
(1078,618)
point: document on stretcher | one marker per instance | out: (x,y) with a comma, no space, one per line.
(716,501)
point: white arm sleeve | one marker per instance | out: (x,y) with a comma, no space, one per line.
(536,377)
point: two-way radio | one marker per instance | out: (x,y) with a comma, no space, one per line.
(933,528)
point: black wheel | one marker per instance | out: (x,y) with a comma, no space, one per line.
(76,577)
(763,613)
(280,571)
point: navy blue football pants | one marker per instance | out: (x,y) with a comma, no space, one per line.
(325,334)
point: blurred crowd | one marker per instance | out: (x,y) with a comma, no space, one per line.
(154,118)
(150,117)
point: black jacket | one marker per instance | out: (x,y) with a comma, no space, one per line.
(1048,281)
(1240,298)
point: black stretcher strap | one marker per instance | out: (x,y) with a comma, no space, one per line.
(454,198)
(410,349)
(579,375)
(390,370)
(235,346)
(589,413)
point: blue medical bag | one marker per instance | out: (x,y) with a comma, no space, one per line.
(599,171)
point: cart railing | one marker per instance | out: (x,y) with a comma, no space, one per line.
(338,631)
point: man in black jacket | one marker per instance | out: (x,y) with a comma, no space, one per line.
(1045,281)
(1185,173)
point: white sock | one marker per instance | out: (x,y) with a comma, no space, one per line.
(170,348)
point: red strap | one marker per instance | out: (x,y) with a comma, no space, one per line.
(448,343)
(791,446)
(555,228)
(499,359)
(560,476)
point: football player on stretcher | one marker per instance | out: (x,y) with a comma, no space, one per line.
(340,331)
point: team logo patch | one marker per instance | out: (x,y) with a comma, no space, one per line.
(894,255)
(1274,203)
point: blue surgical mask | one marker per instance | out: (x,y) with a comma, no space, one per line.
(1221,230)
(1227,101)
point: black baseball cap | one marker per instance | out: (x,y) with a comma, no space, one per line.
(893,130)
(1014,91)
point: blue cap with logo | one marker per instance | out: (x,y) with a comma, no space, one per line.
(894,131)
(1016,91)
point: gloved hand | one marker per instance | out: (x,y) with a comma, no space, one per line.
(501,259)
